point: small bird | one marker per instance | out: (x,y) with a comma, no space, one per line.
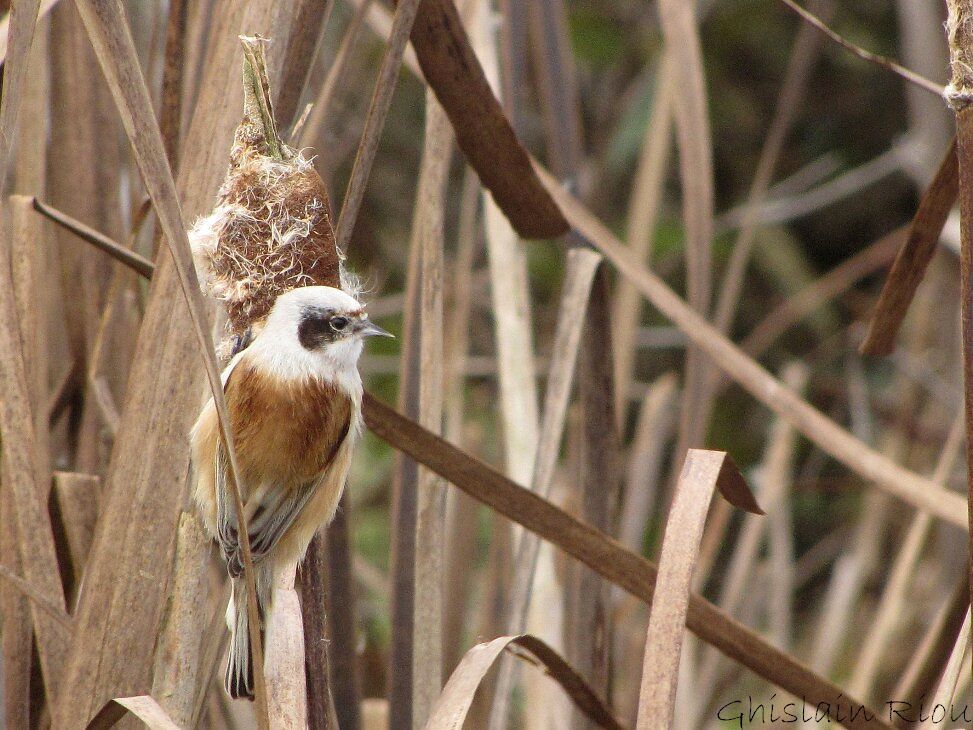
(293,394)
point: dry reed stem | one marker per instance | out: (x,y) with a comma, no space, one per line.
(427,236)
(693,138)
(643,211)
(914,257)
(44,8)
(933,651)
(314,589)
(951,674)
(509,291)
(405,15)
(890,608)
(62,619)
(627,570)
(775,471)
(652,431)
(286,684)
(131,259)
(454,703)
(305,22)
(482,131)
(179,649)
(21,476)
(314,125)
(664,637)
(19,38)
(343,647)
(581,267)
(147,461)
(830,437)
(802,57)
(910,76)
(838,280)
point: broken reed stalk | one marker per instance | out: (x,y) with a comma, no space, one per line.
(959,94)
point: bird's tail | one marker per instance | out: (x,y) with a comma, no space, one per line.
(239,667)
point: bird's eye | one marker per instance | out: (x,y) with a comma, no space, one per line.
(339,323)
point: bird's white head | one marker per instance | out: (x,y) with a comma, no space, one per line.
(313,331)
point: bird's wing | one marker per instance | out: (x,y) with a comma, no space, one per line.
(278,505)
(273,515)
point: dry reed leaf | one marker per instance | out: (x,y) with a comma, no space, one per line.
(701,472)
(822,290)
(45,7)
(286,684)
(913,258)
(147,460)
(130,258)
(77,498)
(37,599)
(430,539)
(378,108)
(21,477)
(951,674)
(179,649)
(453,705)
(627,570)
(691,116)
(482,131)
(19,37)
(142,707)
(831,438)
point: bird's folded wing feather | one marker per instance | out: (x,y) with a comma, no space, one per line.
(273,515)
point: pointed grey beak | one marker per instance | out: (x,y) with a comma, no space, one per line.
(369,329)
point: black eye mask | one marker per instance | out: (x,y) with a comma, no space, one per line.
(316,330)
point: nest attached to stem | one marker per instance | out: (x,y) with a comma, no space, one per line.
(271,230)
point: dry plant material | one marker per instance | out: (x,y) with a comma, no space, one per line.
(77,503)
(271,229)
(179,650)
(142,707)
(19,37)
(482,131)
(35,537)
(897,480)
(131,259)
(959,94)
(454,703)
(111,38)
(910,76)
(378,109)
(701,473)
(599,552)
(914,257)
(823,290)
(691,115)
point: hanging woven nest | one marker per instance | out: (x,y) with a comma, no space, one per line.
(271,230)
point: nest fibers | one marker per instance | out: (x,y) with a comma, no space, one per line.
(271,230)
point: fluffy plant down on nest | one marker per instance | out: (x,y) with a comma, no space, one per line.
(271,229)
